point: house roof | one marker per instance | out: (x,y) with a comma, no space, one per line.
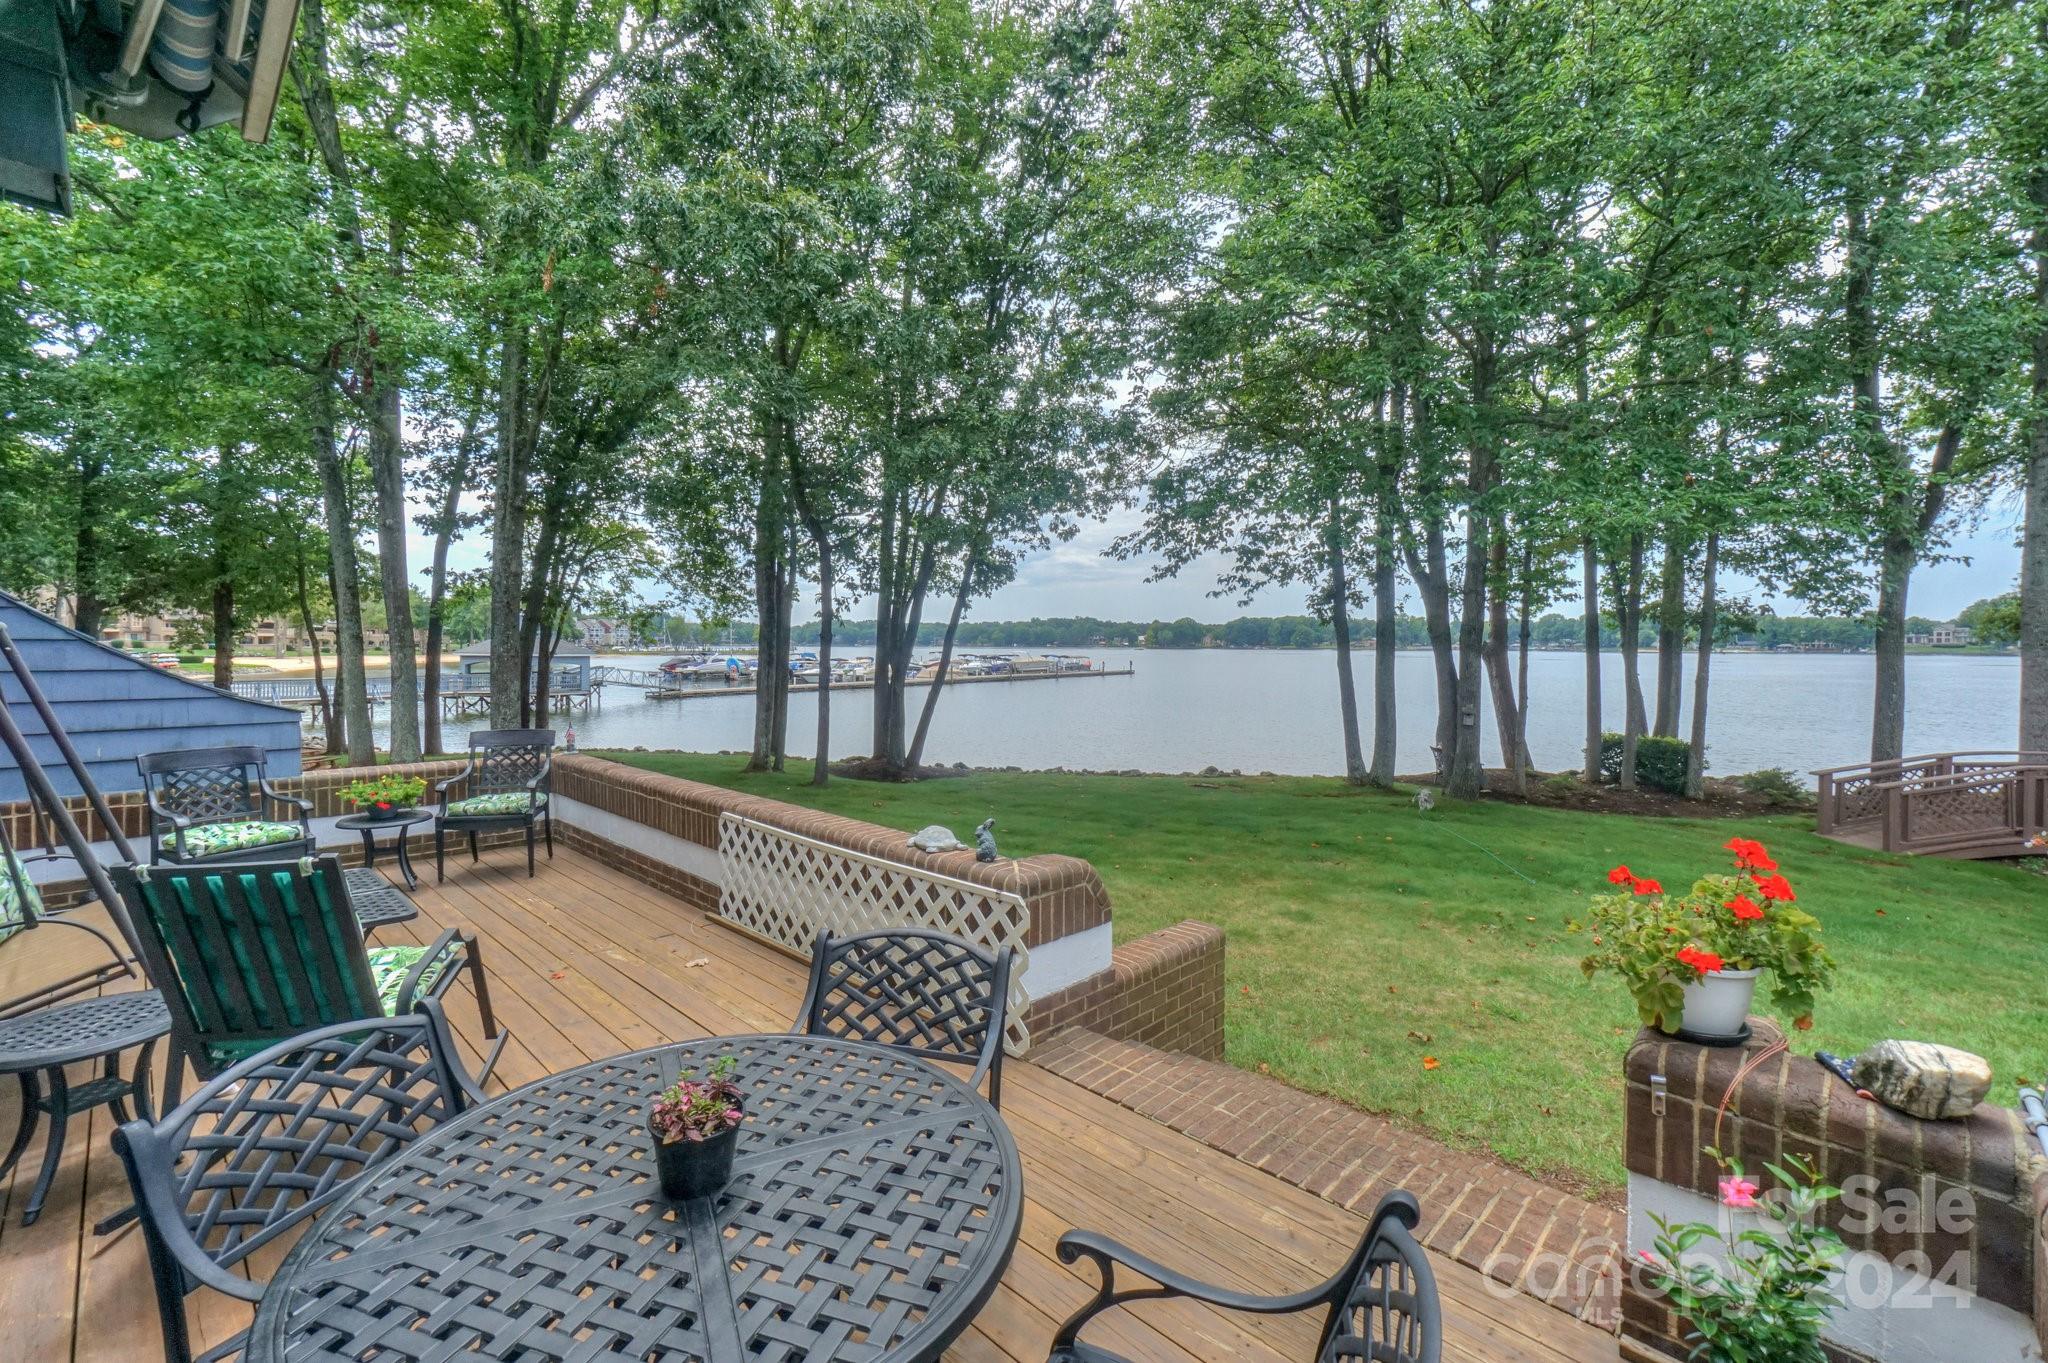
(115,707)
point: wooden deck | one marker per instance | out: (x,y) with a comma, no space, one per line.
(586,962)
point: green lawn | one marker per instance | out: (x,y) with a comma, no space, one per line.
(1364,935)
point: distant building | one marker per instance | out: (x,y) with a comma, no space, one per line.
(1951,636)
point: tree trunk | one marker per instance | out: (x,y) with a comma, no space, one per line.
(1630,618)
(931,699)
(223,611)
(1386,643)
(1524,606)
(1340,627)
(1899,555)
(1589,571)
(508,532)
(343,578)
(1432,582)
(437,588)
(786,603)
(305,600)
(2034,550)
(1467,774)
(1670,637)
(821,769)
(1696,758)
(88,607)
(387,471)
(769,524)
(1506,712)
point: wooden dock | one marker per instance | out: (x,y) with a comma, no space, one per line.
(747,689)
(1961,805)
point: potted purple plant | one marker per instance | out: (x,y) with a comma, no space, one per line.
(696,1125)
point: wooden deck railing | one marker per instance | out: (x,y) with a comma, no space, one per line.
(1957,804)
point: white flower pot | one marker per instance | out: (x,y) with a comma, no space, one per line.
(1718,1005)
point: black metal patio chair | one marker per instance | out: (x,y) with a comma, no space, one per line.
(264,1146)
(931,994)
(507,787)
(250,954)
(217,804)
(1383,1304)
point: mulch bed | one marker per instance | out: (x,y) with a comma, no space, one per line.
(1723,798)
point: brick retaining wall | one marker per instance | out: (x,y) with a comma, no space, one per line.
(1791,1105)
(1164,990)
(320,786)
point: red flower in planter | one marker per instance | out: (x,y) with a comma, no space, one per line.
(1705,962)
(1774,886)
(1750,854)
(1644,885)
(1621,875)
(1745,908)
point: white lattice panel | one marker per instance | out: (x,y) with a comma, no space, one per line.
(789,888)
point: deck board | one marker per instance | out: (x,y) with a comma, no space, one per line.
(586,962)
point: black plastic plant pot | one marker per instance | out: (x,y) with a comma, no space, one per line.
(693,1169)
(389,812)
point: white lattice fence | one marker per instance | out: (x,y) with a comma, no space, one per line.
(789,888)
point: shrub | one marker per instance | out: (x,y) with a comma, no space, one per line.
(1660,762)
(1777,787)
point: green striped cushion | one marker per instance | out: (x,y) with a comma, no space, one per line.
(388,966)
(13,881)
(504,802)
(213,839)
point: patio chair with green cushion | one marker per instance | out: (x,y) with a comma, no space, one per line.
(505,785)
(217,804)
(249,954)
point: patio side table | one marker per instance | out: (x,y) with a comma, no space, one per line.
(370,826)
(35,1047)
(874,1205)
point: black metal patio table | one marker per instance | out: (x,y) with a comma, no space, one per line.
(370,825)
(874,1205)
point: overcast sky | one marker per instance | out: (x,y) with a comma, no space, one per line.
(1079,578)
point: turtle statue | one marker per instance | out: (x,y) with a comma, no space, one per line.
(985,840)
(936,838)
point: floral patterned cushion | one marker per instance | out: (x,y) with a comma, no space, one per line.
(13,881)
(504,802)
(214,839)
(388,966)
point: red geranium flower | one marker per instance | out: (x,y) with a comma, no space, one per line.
(1745,908)
(1774,886)
(1702,961)
(1621,875)
(1750,854)
(1644,885)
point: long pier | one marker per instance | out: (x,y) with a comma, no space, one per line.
(797,688)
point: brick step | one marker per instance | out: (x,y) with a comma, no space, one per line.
(1559,1248)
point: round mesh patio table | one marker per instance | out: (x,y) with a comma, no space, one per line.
(874,1204)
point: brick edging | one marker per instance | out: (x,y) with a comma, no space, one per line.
(1533,1238)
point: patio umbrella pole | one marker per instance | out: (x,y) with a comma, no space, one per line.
(46,794)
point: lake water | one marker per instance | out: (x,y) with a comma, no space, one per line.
(1260,710)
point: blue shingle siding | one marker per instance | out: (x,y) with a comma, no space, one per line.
(117,707)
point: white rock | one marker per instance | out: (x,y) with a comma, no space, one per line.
(1923,1079)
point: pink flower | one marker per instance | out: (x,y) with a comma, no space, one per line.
(1738,1192)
